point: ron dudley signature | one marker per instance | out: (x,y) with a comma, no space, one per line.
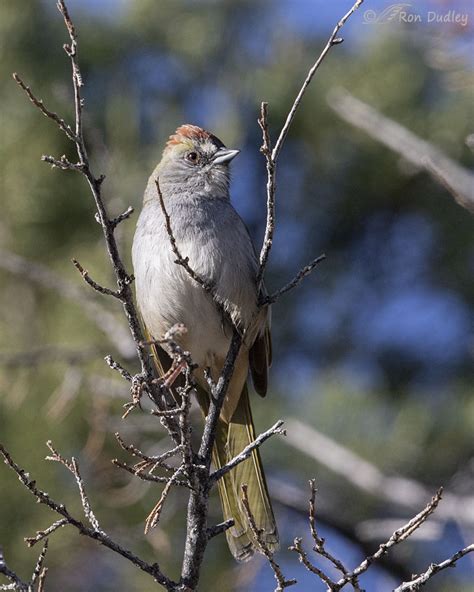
(401,13)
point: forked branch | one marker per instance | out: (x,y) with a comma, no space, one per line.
(271,157)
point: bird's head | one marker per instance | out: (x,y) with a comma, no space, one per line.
(195,160)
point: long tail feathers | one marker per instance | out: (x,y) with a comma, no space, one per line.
(231,439)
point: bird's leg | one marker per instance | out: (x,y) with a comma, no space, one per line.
(169,378)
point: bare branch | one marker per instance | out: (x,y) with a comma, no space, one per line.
(217,399)
(42,579)
(169,412)
(118,368)
(303,557)
(16,582)
(155,514)
(266,150)
(319,542)
(271,155)
(71,51)
(458,180)
(400,535)
(62,163)
(73,467)
(320,549)
(124,292)
(247,451)
(397,537)
(219,528)
(147,476)
(282,582)
(196,526)
(153,461)
(93,284)
(39,569)
(180,260)
(333,40)
(98,535)
(121,217)
(420,580)
(302,273)
(42,534)
(66,128)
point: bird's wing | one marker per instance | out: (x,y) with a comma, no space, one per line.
(260,359)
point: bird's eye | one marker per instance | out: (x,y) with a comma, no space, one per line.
(192,157)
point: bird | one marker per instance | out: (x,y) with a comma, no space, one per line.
(193,179)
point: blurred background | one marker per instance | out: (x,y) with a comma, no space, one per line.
(374,350)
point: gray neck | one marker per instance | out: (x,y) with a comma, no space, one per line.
(210,184)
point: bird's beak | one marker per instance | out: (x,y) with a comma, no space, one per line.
(224,155)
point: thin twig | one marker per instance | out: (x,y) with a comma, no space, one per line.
(168,412)
(302,273)
(219,528)
(155,514)
(397,537)
(154,461)
(217,398)
(420,580)
(282,582)
(303,557)
(93,284)
(319,542)
(123,279)
(271,155)
(42,579)
(16,582)
(333,40)
(66,128)
(320,549)
(98,535)
(147,476)
(121,217)
(73,467)
(208,287)
(42,534)
(266,150)
(38,570)
(180,260)
(247,451)
(118,368)
(62,163)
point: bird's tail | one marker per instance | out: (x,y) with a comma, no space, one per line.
(231,439)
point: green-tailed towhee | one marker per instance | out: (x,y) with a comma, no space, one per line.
(194,180)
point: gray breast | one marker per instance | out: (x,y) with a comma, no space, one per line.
(217,243)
